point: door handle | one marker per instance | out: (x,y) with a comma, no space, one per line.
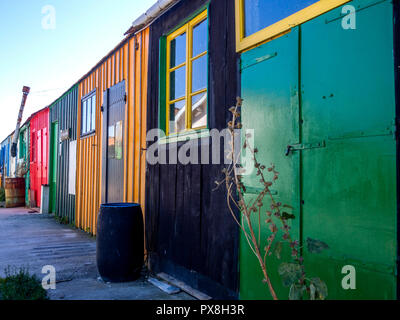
(304,146)
(288,150)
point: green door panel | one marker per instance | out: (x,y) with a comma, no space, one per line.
(349,194)
(372,282)
(349,186)
(270,92)
(340,176)
(347,75)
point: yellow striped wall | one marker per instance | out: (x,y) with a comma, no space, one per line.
(129,62)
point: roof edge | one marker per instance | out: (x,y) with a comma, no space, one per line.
(155,11)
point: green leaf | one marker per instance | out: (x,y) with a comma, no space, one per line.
(278,249)
(316,246)
(321,288)
(296,292)
(290,273)
(288,216)
(312,292)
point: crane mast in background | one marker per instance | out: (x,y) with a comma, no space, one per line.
(25,92)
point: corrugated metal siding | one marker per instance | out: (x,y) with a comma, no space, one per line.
(122,64)
(64,111)
(6,157)
(1,157)
(5,149)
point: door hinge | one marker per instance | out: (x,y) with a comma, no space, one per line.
(249,63)
(304,146)
(258,190)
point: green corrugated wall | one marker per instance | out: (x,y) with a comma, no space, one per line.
(63,113)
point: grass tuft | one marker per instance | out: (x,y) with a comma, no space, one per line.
(2,195)
(20,285)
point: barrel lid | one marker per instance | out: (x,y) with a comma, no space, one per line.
(120,205)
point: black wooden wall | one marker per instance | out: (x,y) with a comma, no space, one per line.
(190,233)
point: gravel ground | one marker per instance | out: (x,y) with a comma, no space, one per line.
(32,240)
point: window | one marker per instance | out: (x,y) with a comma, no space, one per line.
(260,20)
(88,123)
(22,145)
(44,139)
(115,141)
(33,146)
(111,142)
(187,76)
(118,140)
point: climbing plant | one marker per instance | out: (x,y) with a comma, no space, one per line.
(275,219)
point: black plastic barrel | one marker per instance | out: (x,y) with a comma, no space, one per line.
(120,242)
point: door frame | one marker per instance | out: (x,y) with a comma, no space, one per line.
(104,147)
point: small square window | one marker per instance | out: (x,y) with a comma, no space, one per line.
(111,142)
(88,122)
(118,140)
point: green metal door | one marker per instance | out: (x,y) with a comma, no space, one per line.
(349,187)
(270,91)
(53,169)
(341,174)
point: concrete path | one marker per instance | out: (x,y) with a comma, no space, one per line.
(33,240)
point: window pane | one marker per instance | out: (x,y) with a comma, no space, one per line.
(118,140)
(44,144)
(260,14)
(178,50)
(84,106)
(89,115)
(111,142)
(177,117)
(199,110)
(93,113)
(39,143)
(200,36)
(177,83)
(199,73)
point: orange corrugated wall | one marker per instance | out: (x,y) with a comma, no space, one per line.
(126,63)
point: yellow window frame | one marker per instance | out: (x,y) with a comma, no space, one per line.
(188,29)
(281,27)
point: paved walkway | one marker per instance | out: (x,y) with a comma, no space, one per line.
(33,240)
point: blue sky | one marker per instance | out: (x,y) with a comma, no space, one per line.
(51,60)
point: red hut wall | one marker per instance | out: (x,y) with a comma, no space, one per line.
(39,153)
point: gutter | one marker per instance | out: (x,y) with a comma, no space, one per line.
(151,14)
